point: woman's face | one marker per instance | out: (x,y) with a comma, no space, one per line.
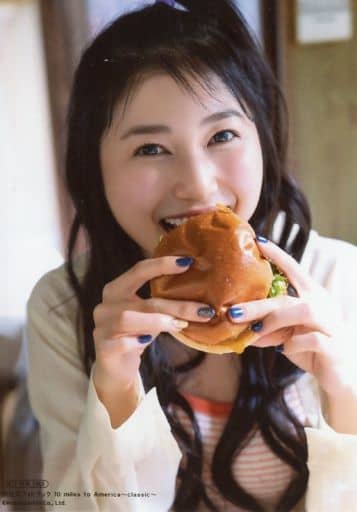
(170,153)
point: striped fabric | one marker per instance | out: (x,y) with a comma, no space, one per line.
(258,470)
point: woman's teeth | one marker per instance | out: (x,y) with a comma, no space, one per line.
(169,224)
(176,222)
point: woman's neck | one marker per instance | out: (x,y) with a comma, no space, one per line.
(216,378)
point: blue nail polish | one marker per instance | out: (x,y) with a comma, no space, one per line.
(170,3)
(145,338)
(184,262)
(279,348)
(257,326)
(206,312)
(292,291)
(235,312)
(261,239)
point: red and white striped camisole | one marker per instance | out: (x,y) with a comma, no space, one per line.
(259,471)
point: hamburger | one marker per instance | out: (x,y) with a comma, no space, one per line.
(228,269)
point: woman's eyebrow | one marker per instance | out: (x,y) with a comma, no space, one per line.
(144,129)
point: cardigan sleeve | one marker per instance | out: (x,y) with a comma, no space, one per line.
(332,465)
(93,466)
(332,456)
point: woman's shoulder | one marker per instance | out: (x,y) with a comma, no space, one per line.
(318,246)
(52,314)
(325,253)
(335,247)
(322,255)
(53,290)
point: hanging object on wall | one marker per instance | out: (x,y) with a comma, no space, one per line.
(323,21)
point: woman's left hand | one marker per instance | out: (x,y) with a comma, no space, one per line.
(309,328)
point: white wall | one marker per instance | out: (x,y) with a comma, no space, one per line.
(29,216)
(251,10)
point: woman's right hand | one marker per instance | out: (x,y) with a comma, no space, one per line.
(125,324)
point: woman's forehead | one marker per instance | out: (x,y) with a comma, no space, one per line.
(158,91)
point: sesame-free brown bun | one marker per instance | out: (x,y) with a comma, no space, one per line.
(228,269)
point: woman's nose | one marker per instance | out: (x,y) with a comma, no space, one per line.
(196,180)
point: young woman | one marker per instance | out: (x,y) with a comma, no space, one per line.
(173,110)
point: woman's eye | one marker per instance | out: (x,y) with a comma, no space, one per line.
(224,136)
(156,149)
(149,150)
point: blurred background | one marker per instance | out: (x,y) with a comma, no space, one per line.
(312,47)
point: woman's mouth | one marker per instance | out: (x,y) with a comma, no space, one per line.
(170,223)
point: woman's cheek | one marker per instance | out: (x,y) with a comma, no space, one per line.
(138,180)
(144,189)
(244,175)
(243,165)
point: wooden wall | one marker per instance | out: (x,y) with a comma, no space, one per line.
(321,85)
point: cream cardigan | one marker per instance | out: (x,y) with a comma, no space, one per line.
(83,454)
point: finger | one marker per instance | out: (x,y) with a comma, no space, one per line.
(311,342)
(287,264)
(122,344)
(134,323)
(249,311)
(299,314)
(276,338)
(127,284)
(186,310)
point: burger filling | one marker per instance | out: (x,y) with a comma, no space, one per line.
(279,285)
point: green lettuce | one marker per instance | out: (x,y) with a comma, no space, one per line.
(279,285)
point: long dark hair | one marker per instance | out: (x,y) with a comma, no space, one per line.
(206,38)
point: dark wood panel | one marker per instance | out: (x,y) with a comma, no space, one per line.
(65,31)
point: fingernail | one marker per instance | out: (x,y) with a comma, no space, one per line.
(184,262)
(145,338)
(235,312)
(292,291)
(179,324)
(261,239)
(279,348)
(170,3)
(257,326)
(206,312)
